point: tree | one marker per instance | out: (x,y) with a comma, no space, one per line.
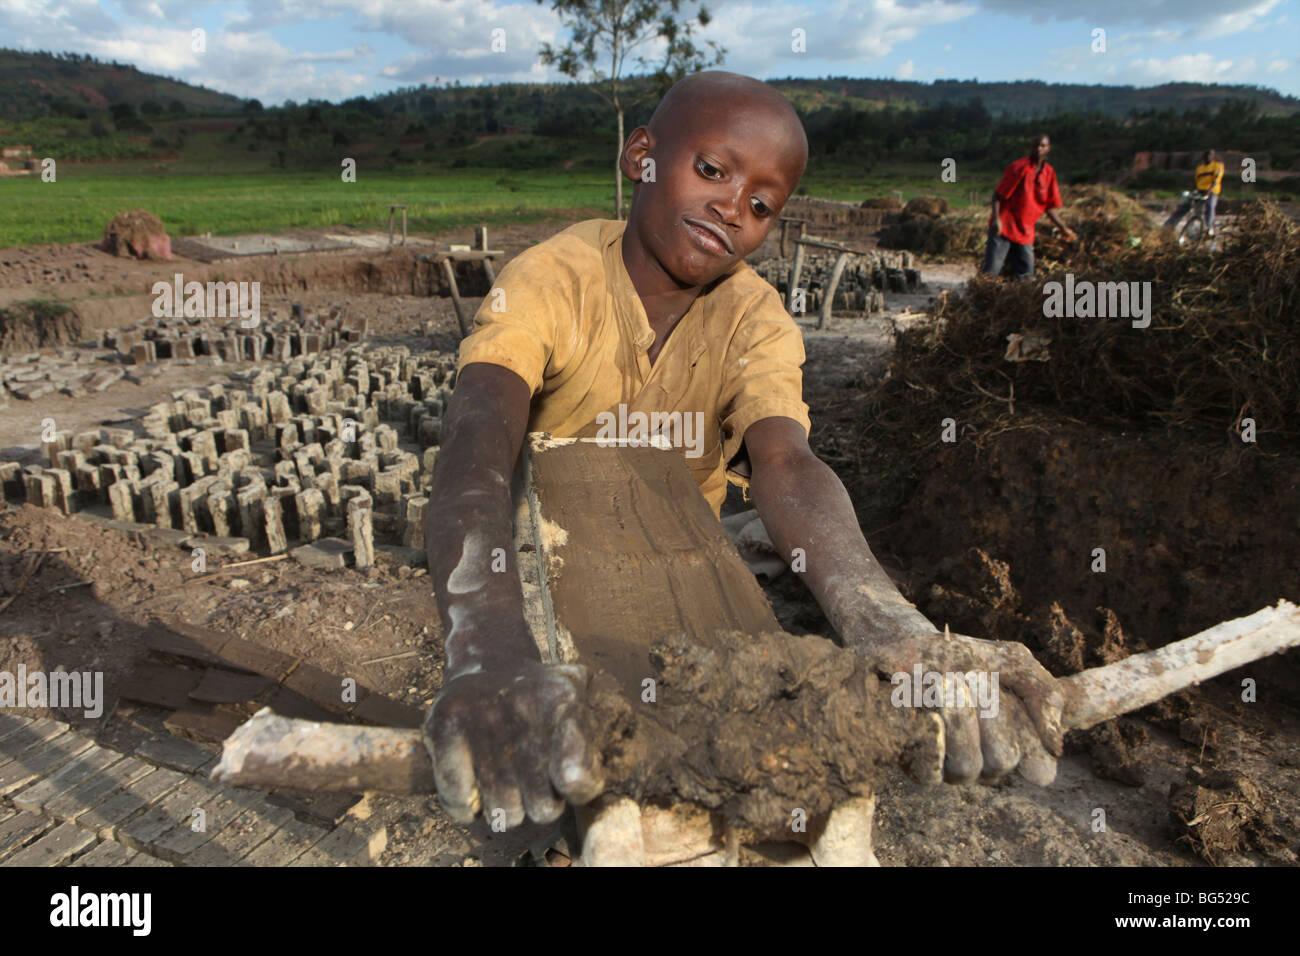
(604,33)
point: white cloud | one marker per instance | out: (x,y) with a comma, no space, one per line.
(1194,68)
(1278,66)
(843,33)
(1210,18)
(905,70)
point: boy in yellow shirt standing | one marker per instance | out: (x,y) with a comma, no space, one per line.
(661,314)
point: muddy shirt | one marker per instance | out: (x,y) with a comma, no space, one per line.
(565,317)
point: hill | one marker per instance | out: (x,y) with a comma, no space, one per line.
(40,84)
(1029,99)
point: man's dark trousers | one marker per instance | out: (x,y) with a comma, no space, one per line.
(1000,249)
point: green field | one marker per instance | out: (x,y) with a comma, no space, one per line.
(76,207)
(85,198)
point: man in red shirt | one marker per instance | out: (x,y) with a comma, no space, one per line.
(1028,189)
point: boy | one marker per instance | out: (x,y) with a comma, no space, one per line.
(1027,190)
(661,314)
(1208,180)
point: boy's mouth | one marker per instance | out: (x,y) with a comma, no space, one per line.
(709,237)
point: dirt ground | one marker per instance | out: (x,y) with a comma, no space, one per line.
(345,622)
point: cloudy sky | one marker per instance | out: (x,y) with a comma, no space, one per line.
(332,49)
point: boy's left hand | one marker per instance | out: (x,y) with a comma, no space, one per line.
(1023,727)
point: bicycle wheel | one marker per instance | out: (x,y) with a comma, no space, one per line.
(1192,232)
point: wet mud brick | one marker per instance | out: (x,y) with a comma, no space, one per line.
(640,556)
(162,685)
(130,800)
(40,760)
(54,847)
(96,790)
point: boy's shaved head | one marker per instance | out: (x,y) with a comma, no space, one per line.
(703,97)
(726,152)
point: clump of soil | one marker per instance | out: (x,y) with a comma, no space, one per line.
(1219,813)
(931,206)
(757,726)
(888,203)
(958,234)
(38,324)
(138,233)
(1106,221)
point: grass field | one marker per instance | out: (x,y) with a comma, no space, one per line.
(86,196)
(76,207)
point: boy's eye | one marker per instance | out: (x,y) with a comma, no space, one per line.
(707,168)
(760,208)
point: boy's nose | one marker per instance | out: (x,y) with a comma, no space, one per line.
(727,204)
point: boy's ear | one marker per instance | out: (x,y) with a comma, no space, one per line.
(637,148)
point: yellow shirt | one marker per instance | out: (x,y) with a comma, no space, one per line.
(565,317)
(1209,177)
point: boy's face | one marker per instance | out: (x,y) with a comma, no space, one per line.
(723,173)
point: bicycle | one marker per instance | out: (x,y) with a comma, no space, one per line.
(1194,227)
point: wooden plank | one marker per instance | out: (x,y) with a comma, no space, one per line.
(245,655)
(79,769)
(92,792)
(219,686)
(54,847)
(41,760)
(29,736)
(21,829)
(633,553)
(203,722)
(178,639)
(106,854)
(121,805)
(320,687)
(161,684)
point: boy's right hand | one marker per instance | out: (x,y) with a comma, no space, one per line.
(508,737)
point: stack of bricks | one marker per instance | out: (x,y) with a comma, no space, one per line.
(214,341)
(300,452)
(31,375)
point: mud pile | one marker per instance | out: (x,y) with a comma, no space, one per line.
(38,324)
(1106,222)
(137,233)
(757,726)
(1090,488)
